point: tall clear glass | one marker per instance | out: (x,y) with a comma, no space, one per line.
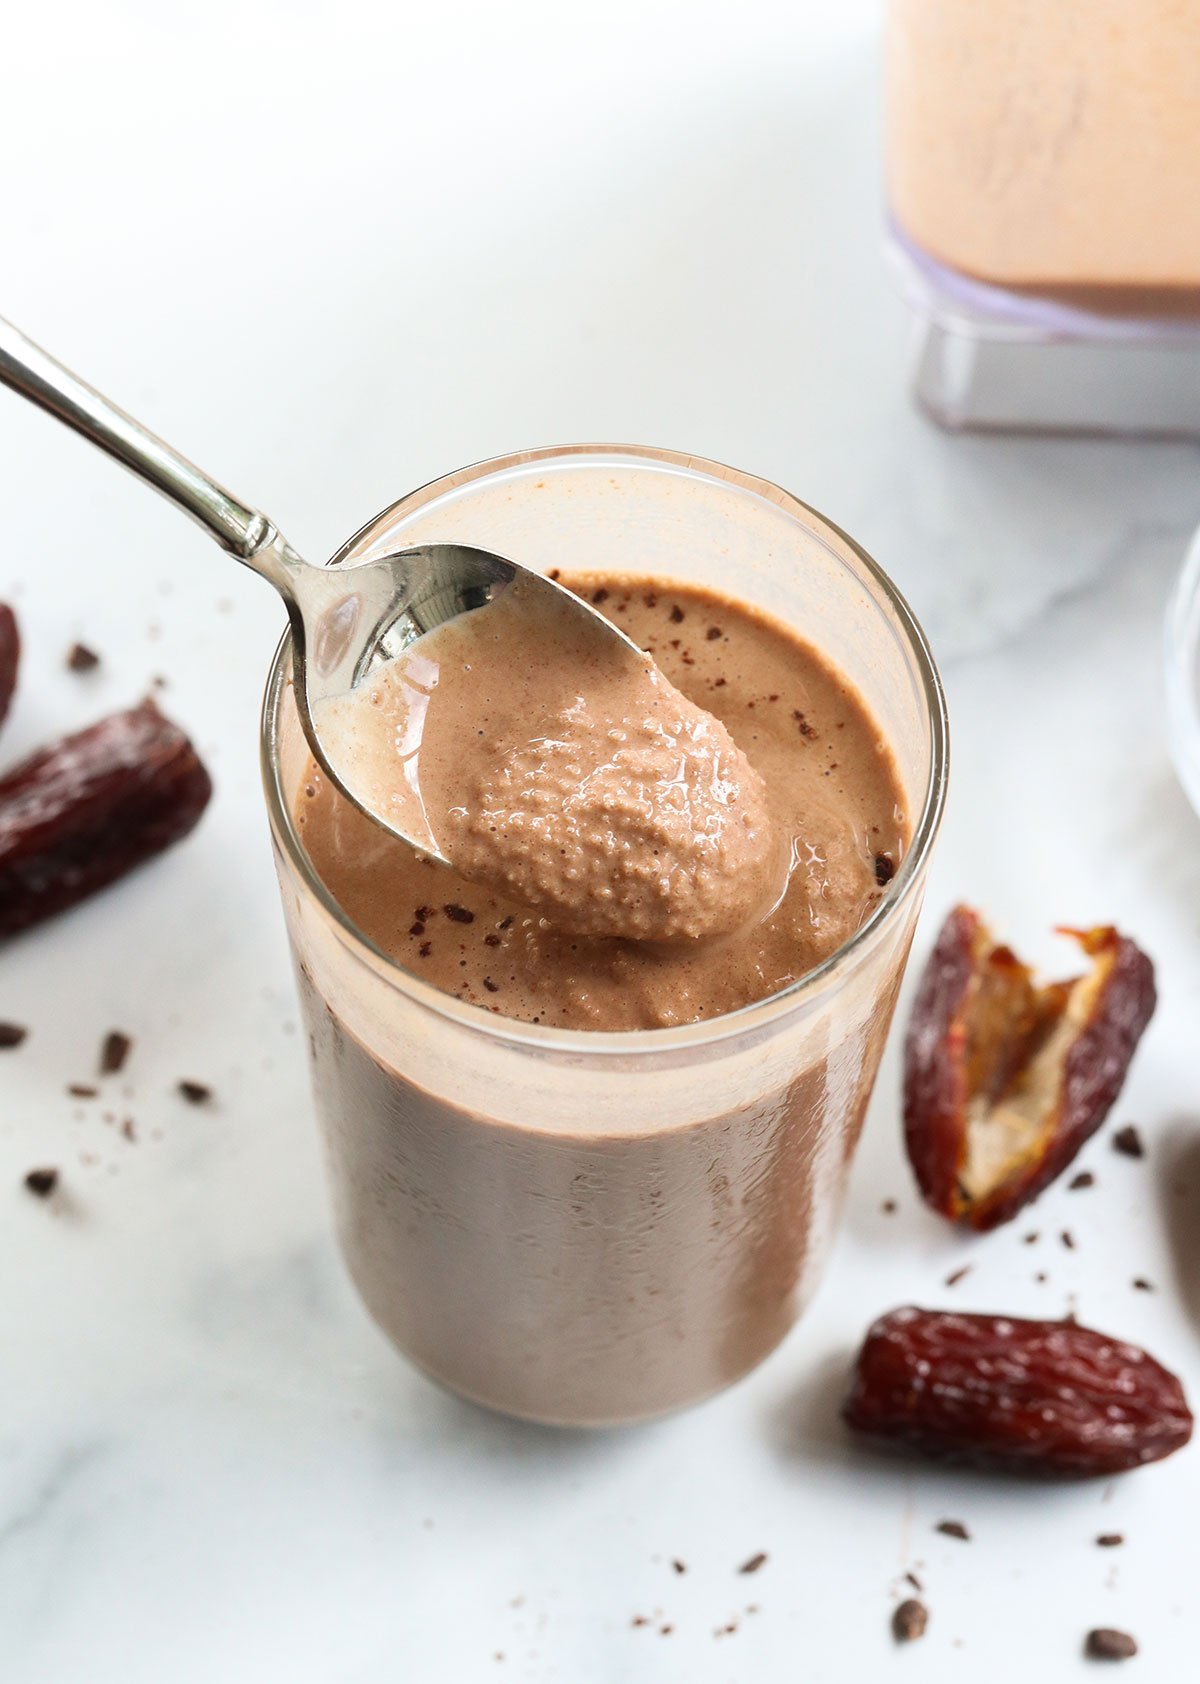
(580,1227)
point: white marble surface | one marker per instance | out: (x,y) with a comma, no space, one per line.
(333,251)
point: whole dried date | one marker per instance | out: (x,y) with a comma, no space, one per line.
(81,813)
(1034,1397)
(10,657)
(1004,1081)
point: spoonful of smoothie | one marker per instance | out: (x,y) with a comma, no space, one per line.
(481,712)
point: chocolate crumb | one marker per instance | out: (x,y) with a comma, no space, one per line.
(599,595)
(1105,1644)
(555,573)
(889,1207)
(953,1278)
(506,923)
(425,949)
(1068,1239)
(1033,1238)
(424,913)
(1141,1284)
(1110,1540)
(114,1051)
(458,914)
(1128,1142)
(650,599)
(82,659)
(639,1620)
(1077,1183)
(492,987)
(129,1129)
(677,615)
(806,730)
(953,1529)
(885,869)
(665,1631)
(417,929)
(1041,1277)
(82,1090)
(712,634)
(196,1093)
(11,1035)
(679,1566)
(909,1621)
(914,1581)
(42,1182)
(491,939)
(754,1563)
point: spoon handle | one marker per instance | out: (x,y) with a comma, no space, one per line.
(37,376)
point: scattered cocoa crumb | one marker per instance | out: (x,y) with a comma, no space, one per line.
(492,987)
(129,1129)
(1068,1239)
(82,659)
(458,914)
(754,1563)
(599,595)
(774,696)
(491,939)
(909,1621)
(1141,1284)
(425,949)
(11,1035)
(196,1093)
(417,929)
(650,599)
(953,1278)
(1077,1183)
(506,923)
(679,1566)
(1110,1540)
(424,913)
(42,1182)
(726,1631)
(806,730)
(639,1620)
(1041,1277)
(677,615)
(665,1631)
(82,1090)
(1105,1644)
(719,684)
(953,1529)
(554,573)
(1128,1142)
(114,1051)
(914,1581)
(1033,1238)
(712,634)
(889,1207)
(885,869)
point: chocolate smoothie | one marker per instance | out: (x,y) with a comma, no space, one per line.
(758,809)
(1052,149)
(594,1238)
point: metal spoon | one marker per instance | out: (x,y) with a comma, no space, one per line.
(345,621)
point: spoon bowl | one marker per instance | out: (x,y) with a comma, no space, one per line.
(346,621)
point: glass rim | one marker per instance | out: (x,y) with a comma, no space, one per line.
(758,1014)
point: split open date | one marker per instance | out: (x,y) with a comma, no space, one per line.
(1047,1398)
(1005,1079)
(81,813)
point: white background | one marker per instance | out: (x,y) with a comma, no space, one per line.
(332,252)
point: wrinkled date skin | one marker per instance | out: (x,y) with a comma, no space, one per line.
(1004,1081)
(10,657)
(1034,1397)
(76,816)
